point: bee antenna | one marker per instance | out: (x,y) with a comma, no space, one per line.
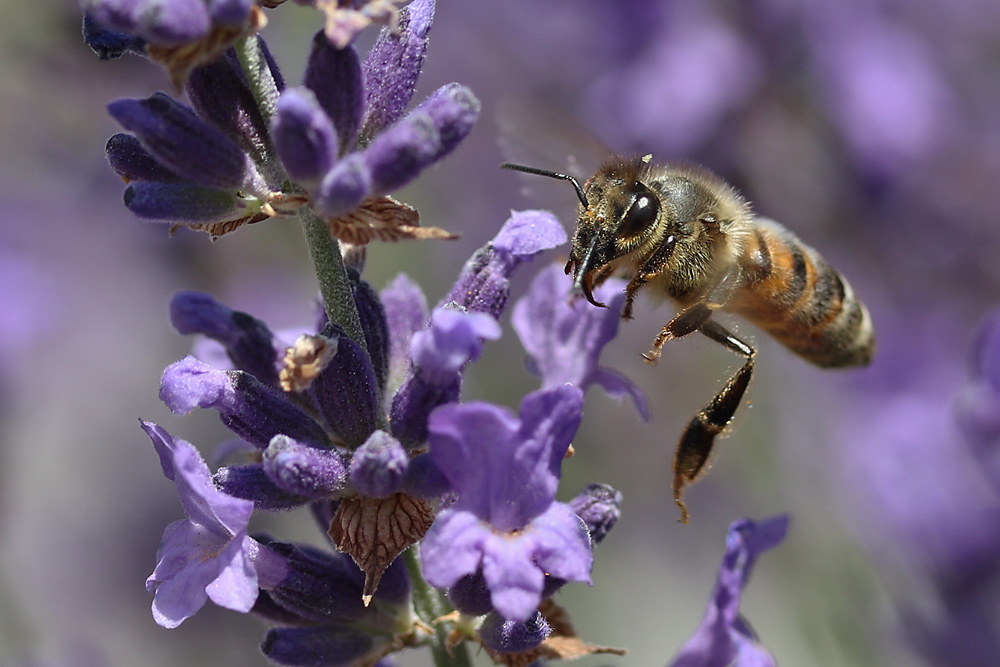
(551,174)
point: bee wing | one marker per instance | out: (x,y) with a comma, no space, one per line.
(548,138)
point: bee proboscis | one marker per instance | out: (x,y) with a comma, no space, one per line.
(684,233)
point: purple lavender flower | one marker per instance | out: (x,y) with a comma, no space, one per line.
(564,337)
(505,470)
(208,555)
(724,638)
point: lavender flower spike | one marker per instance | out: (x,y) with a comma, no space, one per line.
(208,555)
(724,638)
(505,470)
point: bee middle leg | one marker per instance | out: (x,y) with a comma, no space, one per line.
(695,445)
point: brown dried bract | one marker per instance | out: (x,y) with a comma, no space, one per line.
(383,219)
(180,59)
(373,531)
(219,229)
(304,360)
(562,644)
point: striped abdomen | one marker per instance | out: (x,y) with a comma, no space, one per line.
(793,294)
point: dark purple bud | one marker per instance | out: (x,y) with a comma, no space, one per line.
(250,482)
(506,636)
(379,466)
(484,283)
(327,587)
(393,66)
(334,75)
(303,470)
(374,325)
(248,341)
(346,390)
(454,110)
(184,143)
(438,354)
(220,94)
(344,187)
(132,162)
(266,608)
(470,595)
(159,22)
(598,506)
(109,44)
(304,137)
(424,478)
(232,13)
(414,402)
(184,202)
(319,586)
(398,155)
(336,646)
(252,410)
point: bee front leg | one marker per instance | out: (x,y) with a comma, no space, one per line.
(695,445)
(631,290)
(692,318)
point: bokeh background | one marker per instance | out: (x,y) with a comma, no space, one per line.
(871,128)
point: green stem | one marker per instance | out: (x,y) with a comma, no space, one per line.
(338,298)
(262,85)
(334,286)
(430,605)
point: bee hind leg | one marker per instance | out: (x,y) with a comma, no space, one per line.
(695,445)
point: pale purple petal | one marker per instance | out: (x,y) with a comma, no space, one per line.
(514,580)
(723,638)
(453,547)
(236,586)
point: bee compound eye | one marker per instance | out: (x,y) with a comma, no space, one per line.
(640,215)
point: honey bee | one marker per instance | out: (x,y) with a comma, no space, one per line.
(688,235)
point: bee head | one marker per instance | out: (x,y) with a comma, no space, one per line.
(621,218)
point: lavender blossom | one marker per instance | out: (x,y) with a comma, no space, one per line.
(724,638)
(209,555)
(505,470)
(564,337)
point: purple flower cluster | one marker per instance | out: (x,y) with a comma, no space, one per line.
(343,138)
(436,510)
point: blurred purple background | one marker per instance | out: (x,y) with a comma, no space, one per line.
(869,128)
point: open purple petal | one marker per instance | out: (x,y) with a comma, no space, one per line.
(514,579)
(484,283)
(505,470)
(206,555)
(453,547)
(561,544)
(722,636)
(252,410)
